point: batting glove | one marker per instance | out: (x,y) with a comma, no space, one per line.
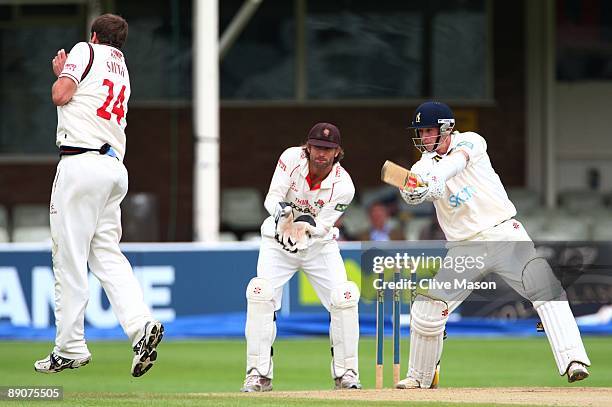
(433,190)
(435,187)
(414,196)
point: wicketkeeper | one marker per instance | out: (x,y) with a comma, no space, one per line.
(309,191)
(477,218)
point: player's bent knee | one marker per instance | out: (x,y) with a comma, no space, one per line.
(428,316)
(540,283)
(345,295)
(259,289)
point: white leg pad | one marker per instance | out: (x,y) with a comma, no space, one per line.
(562,332)
(427,321)
(344,329)
(260,329)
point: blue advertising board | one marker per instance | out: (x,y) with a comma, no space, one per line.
(178,280)
(198,290)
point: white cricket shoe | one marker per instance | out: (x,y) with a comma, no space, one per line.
(145,353)
(576,371)
(349,380)
(256,383)
(408,383)
(55,363)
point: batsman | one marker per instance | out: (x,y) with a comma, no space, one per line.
(473,209)
(309,191)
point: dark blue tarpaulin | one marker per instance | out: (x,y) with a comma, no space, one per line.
(296,325)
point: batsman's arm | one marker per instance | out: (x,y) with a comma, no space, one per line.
(450,166)
(472,145)
(281,180)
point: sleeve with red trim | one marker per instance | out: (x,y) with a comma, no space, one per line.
(281,180)
(77,62)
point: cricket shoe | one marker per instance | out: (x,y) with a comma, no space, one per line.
(144,350)
(576,371)
(410,383)
(349,380)
(256,383)
(55,363)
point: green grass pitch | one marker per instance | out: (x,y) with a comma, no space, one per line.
(215,366)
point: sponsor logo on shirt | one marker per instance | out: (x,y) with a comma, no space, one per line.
(116,54)
(461,197)
(466,143)
(341,207)
(319,204)
(69,67)
(282,165)
(304,208)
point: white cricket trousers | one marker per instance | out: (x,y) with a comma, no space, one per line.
(86,229)
(321,263)
(509,252)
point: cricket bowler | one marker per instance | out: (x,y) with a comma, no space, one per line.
(91,93)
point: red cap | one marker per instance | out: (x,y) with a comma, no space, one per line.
(324,135)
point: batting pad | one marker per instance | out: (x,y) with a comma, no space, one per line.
(344,329)
(562,332)
(260,329)
(428,318)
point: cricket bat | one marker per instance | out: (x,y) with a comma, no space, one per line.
(398,176)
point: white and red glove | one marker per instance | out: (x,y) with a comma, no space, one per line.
(434,189)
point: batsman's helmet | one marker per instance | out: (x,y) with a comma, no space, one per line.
(431,115)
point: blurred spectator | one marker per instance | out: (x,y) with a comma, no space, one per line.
(432,231)
(381,227)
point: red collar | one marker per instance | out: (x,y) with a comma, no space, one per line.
(312,187)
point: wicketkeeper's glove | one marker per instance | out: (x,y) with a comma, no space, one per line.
(302,230)
(283,217)
(295,236)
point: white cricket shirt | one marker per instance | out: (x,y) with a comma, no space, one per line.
(97,112)
(325,203)
(475,199)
